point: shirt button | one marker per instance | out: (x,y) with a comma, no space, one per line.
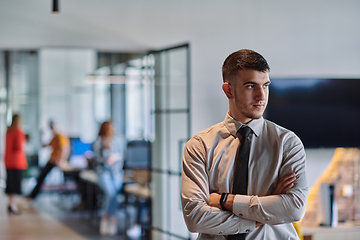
(247,230)
(240,215)
(220,233)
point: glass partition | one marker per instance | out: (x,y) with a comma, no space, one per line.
(172,129)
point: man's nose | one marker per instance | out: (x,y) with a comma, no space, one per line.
(260,93)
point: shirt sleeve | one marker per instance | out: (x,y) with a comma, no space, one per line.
(283,208)
(199,215)
(64,142)
(97,150)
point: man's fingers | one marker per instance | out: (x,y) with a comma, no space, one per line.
(289,181)
(287,188)
(278,189)
(285,184)
(286,178)
(258,224)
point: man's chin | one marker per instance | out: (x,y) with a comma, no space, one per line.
(254,116)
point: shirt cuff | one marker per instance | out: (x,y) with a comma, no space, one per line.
(241,205)
(247,226)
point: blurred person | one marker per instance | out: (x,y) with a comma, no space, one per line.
(60,145)
(109,168)
(15,161)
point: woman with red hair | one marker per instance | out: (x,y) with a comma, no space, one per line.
(109,157)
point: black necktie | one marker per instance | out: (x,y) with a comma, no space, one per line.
(241,170)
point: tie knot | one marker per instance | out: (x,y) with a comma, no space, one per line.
(244,131)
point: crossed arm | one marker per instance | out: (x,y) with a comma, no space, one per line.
(202,211)
(284,185)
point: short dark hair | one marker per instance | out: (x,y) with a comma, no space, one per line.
(243,59)
(51,123)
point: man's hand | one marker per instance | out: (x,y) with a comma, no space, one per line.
(285,184)
(214,200)
(258,224)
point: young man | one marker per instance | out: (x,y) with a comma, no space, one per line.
(272,178)
(60,153)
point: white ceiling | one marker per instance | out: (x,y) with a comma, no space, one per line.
(102,24)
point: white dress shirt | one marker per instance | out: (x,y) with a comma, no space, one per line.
(208,166)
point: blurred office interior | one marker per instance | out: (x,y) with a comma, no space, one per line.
(154,68)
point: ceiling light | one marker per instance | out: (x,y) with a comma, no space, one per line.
(55,6)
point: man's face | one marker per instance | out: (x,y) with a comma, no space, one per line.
(251,92)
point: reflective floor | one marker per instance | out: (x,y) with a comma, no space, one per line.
(50,218)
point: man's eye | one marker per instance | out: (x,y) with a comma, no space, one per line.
(250,86)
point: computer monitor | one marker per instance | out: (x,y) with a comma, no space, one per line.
(77,158)
(138,155)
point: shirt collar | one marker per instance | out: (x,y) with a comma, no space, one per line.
(233,125)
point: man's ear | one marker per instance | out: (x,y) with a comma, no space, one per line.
(228,90)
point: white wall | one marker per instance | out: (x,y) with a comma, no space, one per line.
(303,38)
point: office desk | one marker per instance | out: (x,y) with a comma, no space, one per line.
(134,194)
(90,191)
(137,190)
(142,197)
(343,231)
